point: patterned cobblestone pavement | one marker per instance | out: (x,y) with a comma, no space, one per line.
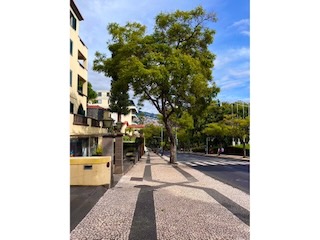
(157,200)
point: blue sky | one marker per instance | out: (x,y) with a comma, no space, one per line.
(231,44)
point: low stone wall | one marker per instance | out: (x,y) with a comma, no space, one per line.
(90,171)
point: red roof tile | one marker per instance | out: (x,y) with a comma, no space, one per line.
(136,126)
(96,106)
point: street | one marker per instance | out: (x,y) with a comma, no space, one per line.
(232,172)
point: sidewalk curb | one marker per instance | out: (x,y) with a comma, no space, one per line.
(231,157)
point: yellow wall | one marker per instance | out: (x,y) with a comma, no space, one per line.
(85,130)
(99,174)
(76,69)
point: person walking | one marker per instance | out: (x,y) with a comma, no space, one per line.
(220,150)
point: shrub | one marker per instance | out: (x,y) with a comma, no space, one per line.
(198,149)
(99,151)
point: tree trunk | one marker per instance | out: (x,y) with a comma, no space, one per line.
(244,149)
(173,152)
(173,147)
(119,116)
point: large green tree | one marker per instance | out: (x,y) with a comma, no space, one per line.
(171,68)
(119,99)
(120,47)
(241,129)
(218,130)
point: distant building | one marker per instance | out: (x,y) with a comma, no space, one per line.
(103,100)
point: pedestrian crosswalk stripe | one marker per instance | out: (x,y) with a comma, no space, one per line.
(215,163)
(223,163)
(211,163)
(233,163)
(199,163)
(241,163)
(190,164)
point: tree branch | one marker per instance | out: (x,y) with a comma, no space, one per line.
(154,101)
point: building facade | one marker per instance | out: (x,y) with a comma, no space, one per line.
(78,64)
(103,100)
(85,132)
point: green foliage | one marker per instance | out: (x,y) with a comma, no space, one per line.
(218,130)
(99,150)
(120,49)
(171,68)
(199,149)
(127,138)
(150,131)
(119,99)
(240,146)
(92,95)
(241,129)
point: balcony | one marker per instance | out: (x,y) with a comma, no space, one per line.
(81,86)
(86,126)
(80,91)
(83,43)
(95,123)
(80,120)
(81,65)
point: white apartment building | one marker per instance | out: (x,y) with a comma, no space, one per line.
(103,100)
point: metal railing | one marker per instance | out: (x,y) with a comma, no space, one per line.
(95,123)
(80,120)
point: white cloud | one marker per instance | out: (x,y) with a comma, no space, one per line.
(99,81)
(98,13)
(241,23)
(230,56)
(242,26)
(247,33)
(238,73)
(235,72)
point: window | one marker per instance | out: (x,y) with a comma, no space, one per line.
(79,147)
(80,86)
(81,111)
(73,21)
(99,94)
(99,101)
(70,78)
(71,107)
(108,94)
(81,81)
(71,47)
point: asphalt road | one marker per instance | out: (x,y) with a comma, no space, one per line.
(232,172)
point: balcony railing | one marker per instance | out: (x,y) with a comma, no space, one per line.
(82,43)
(80,120)
(81,65)
(95,123)
(80,91)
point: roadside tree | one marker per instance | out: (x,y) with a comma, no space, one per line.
(171,68)
(219,131)
(120,47)
(241,129)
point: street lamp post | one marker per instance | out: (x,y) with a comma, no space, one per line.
(207,144)
(176,143)
(161,141)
